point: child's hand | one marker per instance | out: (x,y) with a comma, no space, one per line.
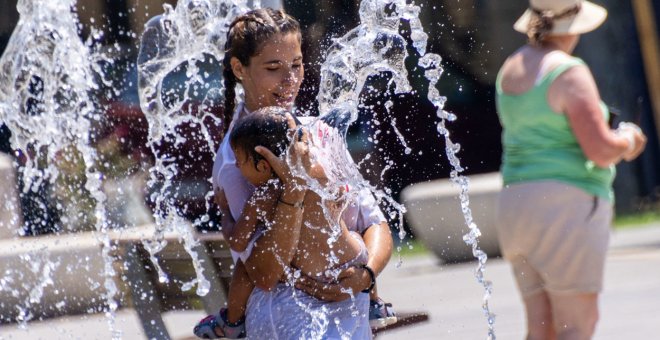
(220,199)
(338,205)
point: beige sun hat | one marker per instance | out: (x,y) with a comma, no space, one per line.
(588,18)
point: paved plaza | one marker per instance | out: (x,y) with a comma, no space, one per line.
(452,297)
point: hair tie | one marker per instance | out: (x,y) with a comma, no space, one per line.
(571,11)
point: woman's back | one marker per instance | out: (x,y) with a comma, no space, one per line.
(524,69)
(538,139)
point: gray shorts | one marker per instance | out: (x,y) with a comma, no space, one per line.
(555,235)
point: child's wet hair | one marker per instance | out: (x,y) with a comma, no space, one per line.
(247,33)
(266,127)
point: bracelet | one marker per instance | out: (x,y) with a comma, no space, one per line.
(372,275)
(295,205)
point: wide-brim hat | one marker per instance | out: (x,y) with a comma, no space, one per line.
(586,20)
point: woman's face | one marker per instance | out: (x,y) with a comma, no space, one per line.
(274,75)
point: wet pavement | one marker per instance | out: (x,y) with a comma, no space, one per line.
(630,303)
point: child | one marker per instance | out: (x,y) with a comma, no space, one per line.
(315,257)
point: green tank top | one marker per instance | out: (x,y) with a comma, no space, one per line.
(539,143)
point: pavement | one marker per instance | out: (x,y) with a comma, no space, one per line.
(630,303)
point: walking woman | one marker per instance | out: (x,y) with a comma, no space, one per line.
(558,166)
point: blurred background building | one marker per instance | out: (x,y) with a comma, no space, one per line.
(472,36)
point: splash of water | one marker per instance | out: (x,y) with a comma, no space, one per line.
(373,48)
(433,71)
(46,79)
(43,89)
(42,267)
(183,37)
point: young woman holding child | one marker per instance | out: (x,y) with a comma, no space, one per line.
(263,54)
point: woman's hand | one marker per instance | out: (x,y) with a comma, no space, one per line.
(352,279)
(636,140)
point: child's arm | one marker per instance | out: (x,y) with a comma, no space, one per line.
(244,228)
(317,172)
(227,221)
(260,205)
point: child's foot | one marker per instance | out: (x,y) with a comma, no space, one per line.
(381,314)
(217,327)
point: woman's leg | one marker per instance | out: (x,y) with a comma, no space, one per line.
(575,315)
(556,237)
(539,317)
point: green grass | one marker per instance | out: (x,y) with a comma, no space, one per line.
(413,247)
(410,248)
(632,220)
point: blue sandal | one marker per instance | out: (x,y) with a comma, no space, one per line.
(381,314)
(206,328)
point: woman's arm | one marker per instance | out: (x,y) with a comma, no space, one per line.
(378,240)
(370,222)
(575,93)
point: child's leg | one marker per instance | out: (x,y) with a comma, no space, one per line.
(229,322)
(240,289)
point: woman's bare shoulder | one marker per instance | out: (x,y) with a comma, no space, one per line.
(575,90)
(525,67)
(519,72)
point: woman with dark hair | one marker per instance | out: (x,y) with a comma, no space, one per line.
(558,165)
(263,55)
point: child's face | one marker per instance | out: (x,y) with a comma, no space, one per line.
(257,174)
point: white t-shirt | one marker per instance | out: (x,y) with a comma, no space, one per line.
(227,177)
